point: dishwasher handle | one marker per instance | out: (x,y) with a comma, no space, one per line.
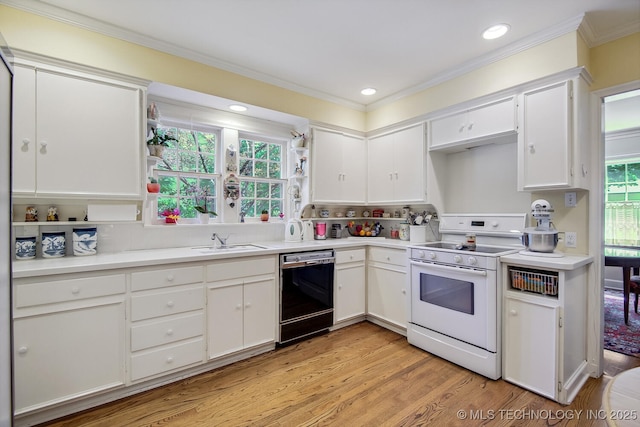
(300,264)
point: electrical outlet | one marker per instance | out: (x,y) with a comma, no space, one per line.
(570,199)
(570,239)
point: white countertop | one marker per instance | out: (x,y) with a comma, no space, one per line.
(139,258)
(567,262)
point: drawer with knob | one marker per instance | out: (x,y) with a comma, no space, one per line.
(175,328)
(163,303)
(142,280)
(28,293)
(168,358)
(351,255)
(389,256)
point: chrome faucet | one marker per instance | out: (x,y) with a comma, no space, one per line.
(222,240)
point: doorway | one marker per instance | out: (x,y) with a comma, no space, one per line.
(620,223)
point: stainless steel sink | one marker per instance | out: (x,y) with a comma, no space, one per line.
(228,248)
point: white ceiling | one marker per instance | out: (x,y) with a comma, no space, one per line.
(331,49)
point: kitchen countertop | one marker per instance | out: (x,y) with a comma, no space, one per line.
(140,258)
(567,262)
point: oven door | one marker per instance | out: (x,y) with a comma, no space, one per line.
(456,301)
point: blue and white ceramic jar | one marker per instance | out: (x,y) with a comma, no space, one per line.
(85,241)
(25,248)
(54,244)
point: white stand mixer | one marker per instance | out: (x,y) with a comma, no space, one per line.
(542,239)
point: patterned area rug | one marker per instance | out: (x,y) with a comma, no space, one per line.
(619,337)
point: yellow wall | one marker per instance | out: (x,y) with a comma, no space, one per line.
(616,62)
(548,58)
(610,64)
(44,36)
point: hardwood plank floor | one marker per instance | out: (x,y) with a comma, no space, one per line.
(362,375)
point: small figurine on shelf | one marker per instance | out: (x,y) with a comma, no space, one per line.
(52,214)
(31,214)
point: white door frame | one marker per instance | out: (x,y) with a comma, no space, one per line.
(595,313)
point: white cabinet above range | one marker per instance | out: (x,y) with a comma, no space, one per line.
(474,126)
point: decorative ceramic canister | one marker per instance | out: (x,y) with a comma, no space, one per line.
(54,244)
(25,248)
(85,241)
(404,231)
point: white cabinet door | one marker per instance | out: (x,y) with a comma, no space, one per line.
(225,320)
(387,294)
(339,167)
(350,291)
(24,131)
(259,312)
(409,165)
(545,140)
(396,167)
(489,121)
(241,315)
(531,345)
(62,355)
(86,136)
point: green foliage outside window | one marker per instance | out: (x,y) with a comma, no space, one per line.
(261,186)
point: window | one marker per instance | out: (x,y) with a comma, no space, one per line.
(188,172)
(622,205)
(261,181)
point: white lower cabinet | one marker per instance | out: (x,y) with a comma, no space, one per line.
(387,287)
(69,338)
(241,304)
(544,345)
(349,288)
(167,320)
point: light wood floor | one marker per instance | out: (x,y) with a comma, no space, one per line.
(362,375)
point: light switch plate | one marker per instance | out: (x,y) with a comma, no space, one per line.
(570,239)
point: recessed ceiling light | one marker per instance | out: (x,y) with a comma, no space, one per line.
(495,31)
(236,107)
(368,91)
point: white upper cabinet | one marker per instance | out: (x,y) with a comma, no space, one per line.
(339,164)
(76,135)
(473,127)
(550,152)
(397,167)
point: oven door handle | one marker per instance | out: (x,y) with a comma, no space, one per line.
(451,269)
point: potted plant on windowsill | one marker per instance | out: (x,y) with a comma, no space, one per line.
(153,186)
(157,142)
(204,213)
(264,216)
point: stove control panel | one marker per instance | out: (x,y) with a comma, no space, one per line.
(453,258)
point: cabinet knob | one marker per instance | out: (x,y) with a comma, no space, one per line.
(390,176)
(26,141)
(470,126)
(532,148)
(340,286)
(248,305)
(169,303)
(23,350)
(388,258)
(170,277)
(170,359)
(75,290)
(350,256)
(461,129)
(239,307)
(169,332)
(396,175)
(404,291)
(43,147)
(513,312)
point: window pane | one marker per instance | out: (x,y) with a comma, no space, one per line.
(276,191)
(260,150)
(275,152)
(247,189)
(262,205)
(186,140)
(276,207)
(188,161)
(246,167)
(615,173)
(246,148)
(168,185)
(260,169)
(170,160)
(248,207)
(262,190)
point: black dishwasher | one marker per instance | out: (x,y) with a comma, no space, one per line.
(306,294)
